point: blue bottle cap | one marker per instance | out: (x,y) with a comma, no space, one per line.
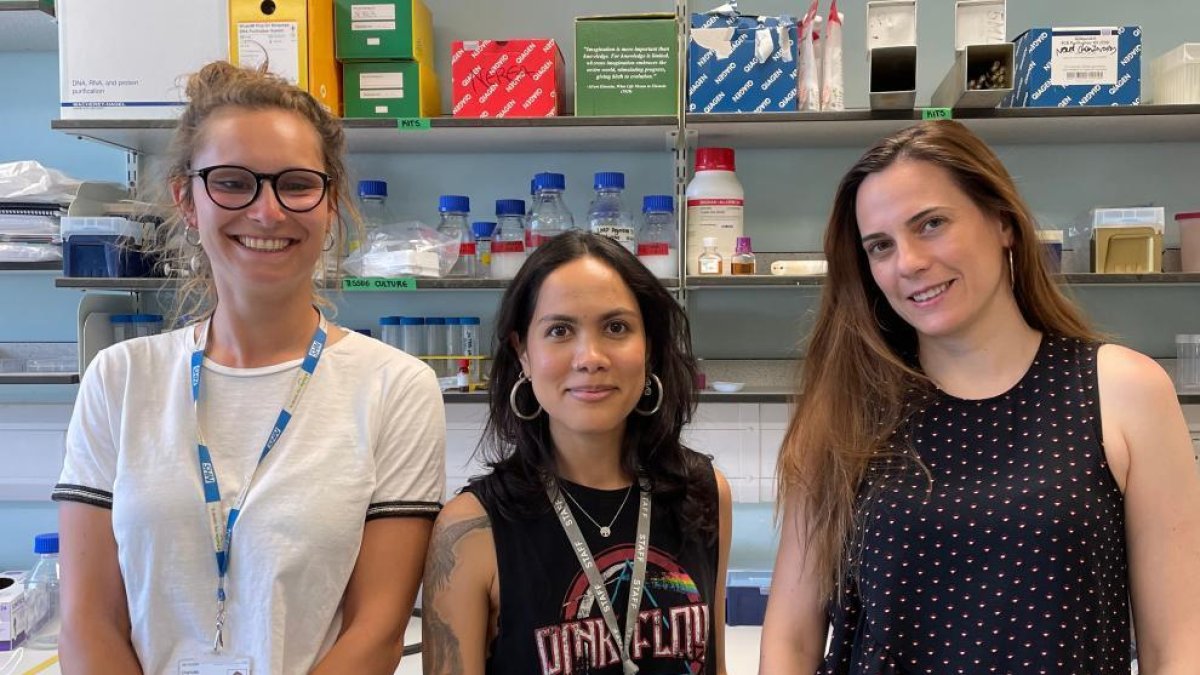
(46,543)
(121,318)
(658,203)
(146,318)
(454,204)
(435,321)
(550,181)
(510,207)
(363,331)
(372,188)
(609,180)
(469,320)
(412,321)
(453,321)
(483,228)
(389,321)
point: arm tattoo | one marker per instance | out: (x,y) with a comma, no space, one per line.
(439,645)
(441,559)
(440,652)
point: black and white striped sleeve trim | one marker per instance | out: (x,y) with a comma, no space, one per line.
(65,492)
(404,510)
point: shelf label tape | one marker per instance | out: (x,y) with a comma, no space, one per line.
(936,114)
(379,284)
(413,124)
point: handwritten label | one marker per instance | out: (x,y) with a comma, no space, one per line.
(413,124)
(936,114)
(1083,59)
(379,284)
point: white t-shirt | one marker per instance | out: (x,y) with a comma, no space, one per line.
(367,440)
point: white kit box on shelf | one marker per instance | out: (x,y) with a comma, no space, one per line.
(128,59)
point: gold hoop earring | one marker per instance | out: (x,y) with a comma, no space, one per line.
(329,241)
(512,399)
(646,392)
(1012,277)
(187,235)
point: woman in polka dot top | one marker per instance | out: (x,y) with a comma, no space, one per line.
(973,482)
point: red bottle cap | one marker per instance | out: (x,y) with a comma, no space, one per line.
(714,159)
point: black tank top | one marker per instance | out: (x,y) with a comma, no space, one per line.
(1015,560)
(548,622)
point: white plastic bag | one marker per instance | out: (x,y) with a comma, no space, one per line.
(19,252)
(30,181)
(833,90)
(407,249)
(808,81)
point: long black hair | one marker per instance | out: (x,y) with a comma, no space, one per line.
(520,452)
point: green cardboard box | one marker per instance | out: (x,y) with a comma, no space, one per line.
(626,65)
(380,30)
(390,89)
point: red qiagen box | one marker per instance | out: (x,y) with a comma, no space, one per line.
(507,78)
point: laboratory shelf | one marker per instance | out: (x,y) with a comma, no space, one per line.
(772,281)
(39,378)
(46,266)
(46,6)
(443,135)
(1001,126)
(160,284)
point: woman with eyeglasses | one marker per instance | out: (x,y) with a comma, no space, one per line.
(254,491)
(598,542)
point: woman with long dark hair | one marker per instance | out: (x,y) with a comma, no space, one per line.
(598,542)
(973,482)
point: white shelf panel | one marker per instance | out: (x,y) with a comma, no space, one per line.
(445,135)
(1000,126)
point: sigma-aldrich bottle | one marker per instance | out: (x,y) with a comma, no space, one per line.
(715,200)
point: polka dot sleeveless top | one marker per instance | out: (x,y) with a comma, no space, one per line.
(1012,560)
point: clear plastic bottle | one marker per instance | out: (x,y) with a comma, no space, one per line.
(435,345)
(715,201)
(658,245)
(743,258)
(470,344)
(372,204)
(454,210)
(710,262)
(390,331)
(607,214)
(41,592)
(483,231)
(550,216)
(508,244)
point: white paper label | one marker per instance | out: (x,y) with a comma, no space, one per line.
(274,42)
(1083,59)
(372,25)
(381,110)
(373,42)
(381,93)
(385,12)
(381,81)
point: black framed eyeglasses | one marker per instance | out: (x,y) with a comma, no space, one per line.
(236,187)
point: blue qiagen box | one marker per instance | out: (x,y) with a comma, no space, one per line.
(746,597)
(1061,67)
(727,71)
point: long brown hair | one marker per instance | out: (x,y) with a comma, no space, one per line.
(859,378)
(221,86)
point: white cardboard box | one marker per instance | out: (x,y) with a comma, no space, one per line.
(128,59)
(13,615)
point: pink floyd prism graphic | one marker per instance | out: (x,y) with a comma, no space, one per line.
(671,635)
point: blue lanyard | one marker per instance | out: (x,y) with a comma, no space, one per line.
(222,535)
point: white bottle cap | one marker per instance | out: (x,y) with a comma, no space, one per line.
(710,242)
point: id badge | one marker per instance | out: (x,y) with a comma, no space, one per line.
(215,665)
